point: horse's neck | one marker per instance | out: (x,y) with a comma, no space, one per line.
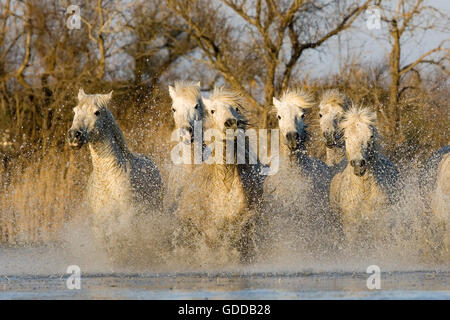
(335,155)
(109,157)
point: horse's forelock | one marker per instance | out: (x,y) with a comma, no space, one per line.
(95,100)
(298,97)
(335,97)
(187,90)
(358,115)
(230,98)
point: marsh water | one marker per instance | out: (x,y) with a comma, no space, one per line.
(412,260)
(40,273)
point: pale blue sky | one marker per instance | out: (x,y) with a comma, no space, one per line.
(357,43)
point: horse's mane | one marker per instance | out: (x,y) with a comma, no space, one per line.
(188,90)
(226,96)
(358,115)
(117,133)
(335,97)
(298,97)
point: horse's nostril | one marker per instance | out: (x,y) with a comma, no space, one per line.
(292,136)
(362,163)
(74,134)
(229,123)
(352,163)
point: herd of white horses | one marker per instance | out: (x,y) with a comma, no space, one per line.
(225,205)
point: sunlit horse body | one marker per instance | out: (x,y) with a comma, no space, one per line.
(368,182)
(435,180)
(332,106)
(122,183)
(440,203)
(218,209)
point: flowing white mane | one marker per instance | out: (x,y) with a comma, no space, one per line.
(187,90)
(358,116)
(298,97)
(226,96)
(336,98)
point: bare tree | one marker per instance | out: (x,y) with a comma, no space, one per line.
(405,21)
(274,34)
(158,41)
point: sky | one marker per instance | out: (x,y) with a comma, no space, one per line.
(369,48)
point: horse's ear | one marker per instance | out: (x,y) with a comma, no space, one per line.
(172,92)
(81,94)
(276,102)
(108,96)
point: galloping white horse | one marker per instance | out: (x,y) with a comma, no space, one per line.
(121,182)
(188,110)
(332,106)
(368,182)
(224,218)
(299,191)
(291,109)
(435,179)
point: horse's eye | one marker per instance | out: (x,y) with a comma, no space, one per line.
(320,115)
(303,116)
(212,111)
(97,113)
(279,117)
(237,109)
(196,106)
(173,109)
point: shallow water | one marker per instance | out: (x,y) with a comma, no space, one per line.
(300,285)
(408,249)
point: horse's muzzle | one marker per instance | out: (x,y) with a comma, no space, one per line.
(292,140)
(359,167)
(76,138)
(330,140)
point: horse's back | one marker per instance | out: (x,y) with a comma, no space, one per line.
(428,174)
(441,194)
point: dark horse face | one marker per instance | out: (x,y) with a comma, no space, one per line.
(89,119)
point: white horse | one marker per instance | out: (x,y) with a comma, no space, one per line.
(367,183)
(291,110)
(188,110)
(440,202)
(217,210)
(299,191)
(122,183)
(332,106)
(435,180)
